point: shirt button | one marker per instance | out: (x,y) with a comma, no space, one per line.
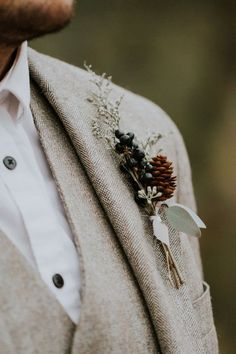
(9,162)
(58,280)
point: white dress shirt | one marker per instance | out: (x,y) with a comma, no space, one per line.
(31,213)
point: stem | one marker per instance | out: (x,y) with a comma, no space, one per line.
(175,267)
(168,264)
(135,179)
(173,272)
(131,173)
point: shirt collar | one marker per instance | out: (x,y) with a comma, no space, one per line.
(17,81)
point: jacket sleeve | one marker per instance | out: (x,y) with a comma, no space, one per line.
(185,192)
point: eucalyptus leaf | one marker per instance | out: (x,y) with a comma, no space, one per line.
(183,219)
(160,230)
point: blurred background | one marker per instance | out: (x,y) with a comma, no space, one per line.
(181,55)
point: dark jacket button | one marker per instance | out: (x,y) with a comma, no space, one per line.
(58,280)
(9,162)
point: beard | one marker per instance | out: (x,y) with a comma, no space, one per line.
(28,19)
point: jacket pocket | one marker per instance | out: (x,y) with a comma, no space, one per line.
(203,309)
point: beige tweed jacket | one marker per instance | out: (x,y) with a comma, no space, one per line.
(127,303)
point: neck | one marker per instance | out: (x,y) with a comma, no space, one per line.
(7,57)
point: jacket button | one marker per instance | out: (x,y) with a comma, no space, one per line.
(9,162)
(58,280)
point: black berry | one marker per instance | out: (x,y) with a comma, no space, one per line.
(131,135)
(139,154)
(125,140)
(148,167)
(146,177)
(133,162)
(119,133)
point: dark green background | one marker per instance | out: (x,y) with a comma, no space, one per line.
(180,54)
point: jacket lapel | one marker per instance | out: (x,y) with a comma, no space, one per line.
(67,95)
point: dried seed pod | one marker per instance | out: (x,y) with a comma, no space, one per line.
(163,178)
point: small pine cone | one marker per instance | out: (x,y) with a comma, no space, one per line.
(162,177)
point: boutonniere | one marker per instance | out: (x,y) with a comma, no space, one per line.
(152,178)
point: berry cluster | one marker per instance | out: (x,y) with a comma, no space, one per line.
(134,156)
(156,174)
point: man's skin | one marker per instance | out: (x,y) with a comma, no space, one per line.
(22,20)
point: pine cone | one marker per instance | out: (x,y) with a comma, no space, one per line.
(162,177)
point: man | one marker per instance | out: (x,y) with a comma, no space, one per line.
(80,269)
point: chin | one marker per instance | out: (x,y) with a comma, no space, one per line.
(29,19)
(52,15)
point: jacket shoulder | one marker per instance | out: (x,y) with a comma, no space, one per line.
(77,79)
(138,113)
